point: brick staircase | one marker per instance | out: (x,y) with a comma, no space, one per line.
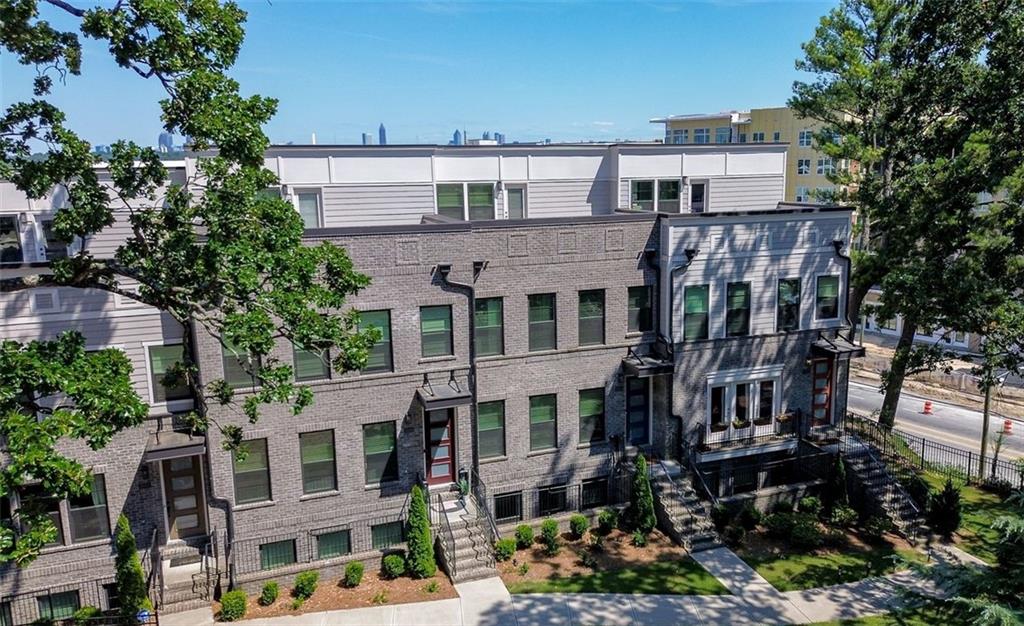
(466,544)
(681,513)
(188,576)
(881,488)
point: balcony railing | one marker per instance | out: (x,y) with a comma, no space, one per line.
(754,432)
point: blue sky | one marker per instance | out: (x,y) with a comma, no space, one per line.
(533,70)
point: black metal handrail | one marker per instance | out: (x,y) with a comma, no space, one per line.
(892,487)
(480,494)
(677,493)
(446,538)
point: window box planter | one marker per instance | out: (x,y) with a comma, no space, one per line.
(762,421)
(717,428)
(737,425)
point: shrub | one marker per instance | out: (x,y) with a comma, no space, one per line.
(523,569)
(810,504)
(587,559)
(876,526)
(504,549)
(806,532)
(639,538)
(431,587)
(524,536)
(421,563)
(596,542)
(999,486)
(305,584)
(641,504)
(392,566)
(834,493)
(919,491)
(268,595)
(843,516)
(834,537)
(353,574)
(782,506)
(86,615)
(607,521)
(578,525)
(381,597)
(549,536)
(734,534)
(128,577)
(779,525)
(720,517)
(749,517)
(232,606)
(297,603)
(944,510)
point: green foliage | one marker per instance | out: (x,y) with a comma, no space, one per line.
(875,528)
(504,549)
(128,576)
(641,504)
(297,603)
(999,486)
(578,525)
(810,505)
(749,517)
(431,587)
(524,536)
(806,532)
(835,493)
(353,574)
(944,510)
(607,521)
(86,615)
(721,515)
(780,525)
(843,516)
(734,534)
(268,595)
(381,597)
(587,559)
(782,506)
(549,536)
(233,605)
(392,566)
(305,584)
(919,491)
(639,538)
(420,561)
(596,542)
(523,569)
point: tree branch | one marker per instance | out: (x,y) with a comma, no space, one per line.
(60,4)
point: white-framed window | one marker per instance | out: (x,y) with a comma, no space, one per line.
(758,137)
(826,166)
(310,206)
(466,201)
(805,138)
(515,200)
(723,134)
(45,301)
(803,194)
(160,358)
(698,196)
(660,195)
(743,403)
(776,136)
(701,135)
(10,240)
(803,166)
(680,135)
(53,248)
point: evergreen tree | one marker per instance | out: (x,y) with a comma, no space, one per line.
(835,493)
(641,504)
(128,576)
(944,510)
(421,563)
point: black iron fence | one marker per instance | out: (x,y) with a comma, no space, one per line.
(556,499)
(60,605)
(758,431)
(725,479)
(909,452)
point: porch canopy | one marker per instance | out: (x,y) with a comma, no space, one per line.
(168,444)
(442,396)
(837,347)
(645,366)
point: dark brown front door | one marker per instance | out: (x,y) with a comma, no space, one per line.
(821,400)
(440,447)
(183,493)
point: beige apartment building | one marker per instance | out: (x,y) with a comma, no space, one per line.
(806,168)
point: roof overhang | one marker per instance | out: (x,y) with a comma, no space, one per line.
(443,396)
(646,366)
(164,445)
(837,347)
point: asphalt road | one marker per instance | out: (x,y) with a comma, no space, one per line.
(950,424)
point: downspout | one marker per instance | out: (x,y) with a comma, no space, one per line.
(691,254)
(838,245)
(443,270)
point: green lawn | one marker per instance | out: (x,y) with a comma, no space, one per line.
(682,577)
(980,509)
(793,571)
(927,615)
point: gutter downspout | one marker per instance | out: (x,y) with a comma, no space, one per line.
(691,254)
(443,270)
(838,245)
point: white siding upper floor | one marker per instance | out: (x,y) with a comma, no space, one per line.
(788,244)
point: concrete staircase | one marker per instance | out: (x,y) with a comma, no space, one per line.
(681,513)
(880,488)
(188,577)
(466,544)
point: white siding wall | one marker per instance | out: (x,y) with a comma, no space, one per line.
(366,205)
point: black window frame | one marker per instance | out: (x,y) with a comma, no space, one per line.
(740,315)
(537,330)
(273,566)
(392,529)
(320,556)
(390,472)
(552,499)
(383,345)
(591,486)
(640,319)
(787,310)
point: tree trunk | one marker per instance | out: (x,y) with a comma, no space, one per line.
(855,299)
(897,373)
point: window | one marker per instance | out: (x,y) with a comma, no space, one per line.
(695,312)
(826,166)
(48,505)
(110,591)
(277,554)
(701,135)
(668,196)
(309,208)
(776,136)
(737,309)
(237,367)
(680,135)
(639,310)
(87,514)
(451,202)
(594,493)
(436,331)
(698,193)
(543,420)
(758,137)
(642,195)
(252,476)
(542,329)
(379,453)
(803,194)
(551,500)
(591,317)
(788,306)
(5,614)
(516,199)
(380,358)
(488,327)
(316,451)
(722,134)
(55,248)
(826,301)
(592,415)
(481,201)
(638,404)
(741,410)
(765,402)
(889,325)
(803,166)
(386,535)
(805,137)
(10,240)
(717,420)
(508,507)
(310,365)
(161,360)
(491,429)
(743,137)
(821,398)
(332,544)
(57,606)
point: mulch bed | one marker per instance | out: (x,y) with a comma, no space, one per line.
(759,544)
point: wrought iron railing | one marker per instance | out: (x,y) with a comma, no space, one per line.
(894,496)
(677,493)
(480,494)
(781,427)
(536,502)
(446,538)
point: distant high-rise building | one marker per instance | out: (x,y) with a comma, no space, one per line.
(382,135)
(367,139)
(457,138)
(165,143)
(486,135)
(500,138)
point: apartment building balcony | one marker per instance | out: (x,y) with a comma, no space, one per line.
(732,439)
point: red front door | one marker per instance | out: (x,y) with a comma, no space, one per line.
(821,400)
(440,429)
